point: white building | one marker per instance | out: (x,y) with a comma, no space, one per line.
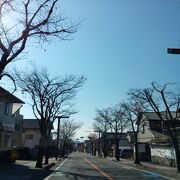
(10,120)
(31,133)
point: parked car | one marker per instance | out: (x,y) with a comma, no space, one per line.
(126,153)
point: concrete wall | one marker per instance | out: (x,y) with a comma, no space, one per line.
(163,156)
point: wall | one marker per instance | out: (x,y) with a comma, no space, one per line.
(146,136)
(163,156)
(31,142)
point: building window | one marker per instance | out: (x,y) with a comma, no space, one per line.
(29,136)
(6,110)
(143,129)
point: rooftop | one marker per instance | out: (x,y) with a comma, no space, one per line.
(4,94)
(30,124)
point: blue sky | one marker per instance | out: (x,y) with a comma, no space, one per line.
(119,45)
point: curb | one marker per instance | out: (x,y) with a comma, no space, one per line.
(169,175)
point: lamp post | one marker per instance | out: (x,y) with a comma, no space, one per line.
(173,50)
(58,134)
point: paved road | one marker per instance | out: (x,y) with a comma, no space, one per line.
(79,166)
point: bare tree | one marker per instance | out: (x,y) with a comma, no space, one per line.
(101,125)
(68,130)
(164,101)
(49,97)
(23,21)
(117,124)
(93,137)
(132,112)
(115,119)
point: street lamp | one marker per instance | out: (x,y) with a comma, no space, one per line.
(58,133)
(173,50)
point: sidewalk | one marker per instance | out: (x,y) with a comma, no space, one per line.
(170,172)
(25,170)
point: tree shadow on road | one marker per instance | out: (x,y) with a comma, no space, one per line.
(77,176)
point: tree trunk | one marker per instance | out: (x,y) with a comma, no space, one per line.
(3,64)
(47,156)
(117,150)
(39,158)
(40,153)
(137,159)
(63,149)
(177,152)
(94,153)
(91,148)
(104,146)
(47,149)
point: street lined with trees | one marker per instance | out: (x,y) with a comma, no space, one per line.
(29,22)
(68,130)
(163,100)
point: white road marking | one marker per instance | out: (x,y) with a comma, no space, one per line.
(149,172)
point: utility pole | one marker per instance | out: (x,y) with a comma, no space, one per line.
(58,134)
(57,145)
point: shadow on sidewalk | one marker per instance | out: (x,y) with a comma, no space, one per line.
(24,172)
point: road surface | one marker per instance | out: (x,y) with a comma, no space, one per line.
(80,166)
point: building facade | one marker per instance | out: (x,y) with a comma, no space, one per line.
(10,120)
(154,140)
(31,133)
